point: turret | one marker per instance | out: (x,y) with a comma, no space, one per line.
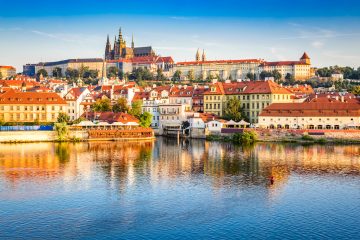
(305,59)
(203,58)
(197,56)
(132,41)
(108,49)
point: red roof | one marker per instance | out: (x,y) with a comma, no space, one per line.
(220,62)
(308,109)
(8,67)
(254,87)
(111,117)
(13,97)
(283,63)
(305,56)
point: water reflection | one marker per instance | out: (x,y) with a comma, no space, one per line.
(126,163)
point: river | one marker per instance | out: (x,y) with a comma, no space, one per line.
(179,190)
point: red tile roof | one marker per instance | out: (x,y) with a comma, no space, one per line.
(111,117)
(283,63)
(305,56)
(308,109)
(8,67)
(13,97)
(221,62)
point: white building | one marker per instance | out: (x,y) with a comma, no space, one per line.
(311,115)
(73,99)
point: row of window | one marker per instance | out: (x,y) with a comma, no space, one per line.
(30,108)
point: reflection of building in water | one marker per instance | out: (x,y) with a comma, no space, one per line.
(32,160)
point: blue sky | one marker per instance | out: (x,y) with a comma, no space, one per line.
(329,31)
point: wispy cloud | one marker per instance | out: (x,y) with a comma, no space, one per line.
(317,44)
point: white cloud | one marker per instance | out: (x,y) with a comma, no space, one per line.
(317,44)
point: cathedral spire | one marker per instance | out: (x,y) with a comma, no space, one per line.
(203,58)
(197,56)
(132,41)
(120,35)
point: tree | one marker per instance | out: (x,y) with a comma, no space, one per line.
(112,72)
(120,105)
(90,74)
(71,73)
(101,105)
(276,74)
(1,76)
(356,90)
(61,129)
(233,109)
(121,75)
(265,74)
(57,72)
(244,138)
(176,76)
(289,79)
(82,70)
(160,75)
(42,72)
(191,75)
(136,108)
(145,119)
(250,76)
(63,118)
(140,74)
(200,77)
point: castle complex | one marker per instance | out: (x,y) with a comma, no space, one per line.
(121,51)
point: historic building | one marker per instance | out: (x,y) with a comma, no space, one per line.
(7,71)
(121,51)
(30,106)
(300,70)
(202,68)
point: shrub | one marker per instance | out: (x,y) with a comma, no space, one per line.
(307,138)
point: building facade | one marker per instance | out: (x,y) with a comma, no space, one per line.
(30,106)
(311,115)
(7,71)
(121,51)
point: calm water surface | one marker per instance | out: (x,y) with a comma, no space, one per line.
(186,190)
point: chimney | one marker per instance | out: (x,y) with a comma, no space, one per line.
(342,99)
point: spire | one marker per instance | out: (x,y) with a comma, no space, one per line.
(107,40)
(132,41)
(203,58)
(120,35)
(197,57)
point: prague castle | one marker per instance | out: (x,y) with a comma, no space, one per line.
(121,51)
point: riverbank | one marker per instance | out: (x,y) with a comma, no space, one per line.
(73,136)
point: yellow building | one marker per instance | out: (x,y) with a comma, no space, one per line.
(300,70)
(7,71)
(253,95)
(30,106)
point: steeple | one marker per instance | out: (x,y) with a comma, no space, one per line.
(132,41)
(197,57)
(203,58)
(305,58)
(108,48)
(120,35)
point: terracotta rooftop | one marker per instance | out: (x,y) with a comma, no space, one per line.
(13,97)
(111,117)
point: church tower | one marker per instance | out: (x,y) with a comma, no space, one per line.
(203,57)
(197,56)
(108,49)
(305,59)
(116,50)
(132,41)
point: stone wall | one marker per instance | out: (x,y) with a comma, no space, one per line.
(27,136)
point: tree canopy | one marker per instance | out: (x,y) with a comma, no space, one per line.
(233,110)
(145,119)
(101,105)
(120,106)
(42,72)
(176,76)
(136,108)
(63,117)
(57,72)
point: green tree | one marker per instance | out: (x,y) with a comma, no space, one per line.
(121,75)
(71,74)
(136,108)
(356,90)
(112,72)
(57,72)
(244,138)
(90,73)
(42,72)
(61,129)
(120,105)
(63,118)
(251,76)
(101,105)
(265,74)
(145,119)
(160,75)
(176,76)
(233,109)
(289,79)
(191,75)
(276,74)
(82,70)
